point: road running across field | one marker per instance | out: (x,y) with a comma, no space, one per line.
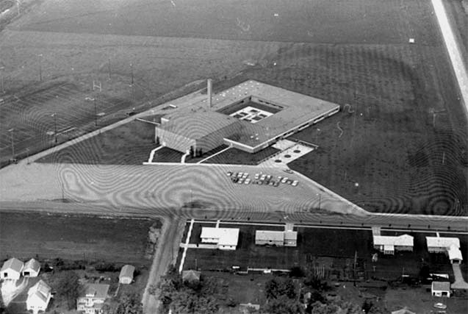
(453,50)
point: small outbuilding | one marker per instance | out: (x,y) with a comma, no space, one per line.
(38,297)
(126,274)
(31,268)
(191,275)
(11,269)
(440,289)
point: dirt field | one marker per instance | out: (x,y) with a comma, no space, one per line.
(354,52)
(74,237)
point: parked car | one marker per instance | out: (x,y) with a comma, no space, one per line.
(295,183)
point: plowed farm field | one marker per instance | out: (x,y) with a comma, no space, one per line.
(402,139)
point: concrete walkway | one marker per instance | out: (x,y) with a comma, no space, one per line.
(460,282)
(453,51)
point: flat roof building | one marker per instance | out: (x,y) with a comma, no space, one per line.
(277,238)
(224,238)
(250,116)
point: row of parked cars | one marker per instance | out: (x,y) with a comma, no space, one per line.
(260,179)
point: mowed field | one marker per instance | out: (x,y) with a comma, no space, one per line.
(405,158)
(74,237)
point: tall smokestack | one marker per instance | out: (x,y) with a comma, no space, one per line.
(209,92)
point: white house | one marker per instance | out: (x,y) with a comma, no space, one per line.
(38,297)
(390,244)
(11,269)
(224,238)
(92,299)
(126,274)
(31,268)
(277,238)
(440,289)
(449,246)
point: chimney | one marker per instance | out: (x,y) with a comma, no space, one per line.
(209,92)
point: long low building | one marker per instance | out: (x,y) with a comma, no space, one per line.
(250,116)
(224,238)
(390,244)
(277,238)
(449,246)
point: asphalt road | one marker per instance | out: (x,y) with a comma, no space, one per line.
(313,217)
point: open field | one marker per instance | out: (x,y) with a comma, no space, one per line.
(129,144)
(74,237)
(403,160)
(320,248)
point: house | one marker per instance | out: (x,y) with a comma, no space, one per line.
(440,289)
(92,299)
(31,268)
(11,269)
(38,297)
(191,275)
(390,244)
(126,274)
(449,246)
(224,238)
(277,238)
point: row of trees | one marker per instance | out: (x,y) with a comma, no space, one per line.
(287,295)
(189,296)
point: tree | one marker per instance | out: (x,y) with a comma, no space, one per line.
(296,272)
(336,306)
(277,287)
(130,304)
(283,305)
(68,287)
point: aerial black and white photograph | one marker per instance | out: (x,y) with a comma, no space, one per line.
(233,156)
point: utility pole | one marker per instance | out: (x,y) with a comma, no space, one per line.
(95,109)
(40,68)
(3,83)
(12,143)
(55,126)
(131,66)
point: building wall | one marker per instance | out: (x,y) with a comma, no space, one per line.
(269,242)
(11,274)
(437,249)
(227,247)
(403,248)
(173,140)
(125,280)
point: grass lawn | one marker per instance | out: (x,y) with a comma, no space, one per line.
(129,144)
(348,52)
(74,237)
(319,248)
